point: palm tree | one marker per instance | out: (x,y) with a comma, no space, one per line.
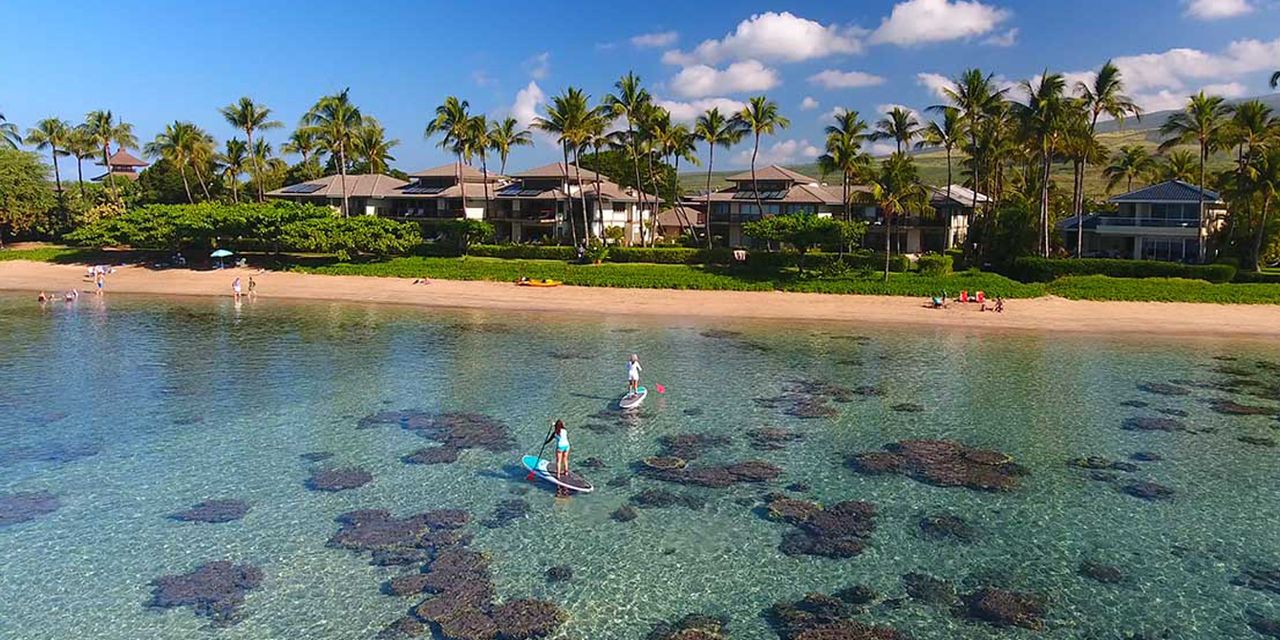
(562,120)
(234,159)
(1252,125)
(504,136)
(945,134)
(679,143)
(975,95)
(479,141)
(630,101)
(1081,146)
(1178,164)
(1045,117)
(370,145)
(900,125)
(844,151)
(248,116)
(1201,122)
(178,144)
(53,134)
(106,129)
(262,158)
(1104,94)
(598,121)
(761,117)
(896,188)
(334,121)
(9,133)
(452,122)
(302,142)
(80,144)
(1275,80)
(1265,178)
(717,130)
(1131,161)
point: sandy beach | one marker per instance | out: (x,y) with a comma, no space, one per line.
(1047,314)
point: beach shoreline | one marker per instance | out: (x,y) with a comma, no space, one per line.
(1044,315)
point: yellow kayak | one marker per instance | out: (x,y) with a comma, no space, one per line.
(539,283)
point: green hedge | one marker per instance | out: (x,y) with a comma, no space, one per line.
(671,255)
(1035,269)
(1162,290)
(1252,276)
(932,264)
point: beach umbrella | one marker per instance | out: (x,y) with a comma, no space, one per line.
(220,254)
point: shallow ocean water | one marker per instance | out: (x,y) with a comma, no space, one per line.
(195,399)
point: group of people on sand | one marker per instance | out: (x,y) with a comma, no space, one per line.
(238,293)
(560,433)
(941,302)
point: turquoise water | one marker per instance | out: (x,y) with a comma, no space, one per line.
(182,401)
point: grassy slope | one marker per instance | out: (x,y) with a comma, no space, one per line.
(933,165)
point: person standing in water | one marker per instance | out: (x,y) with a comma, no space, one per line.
(253,288)
(633,375)
(235,288)
(561,437)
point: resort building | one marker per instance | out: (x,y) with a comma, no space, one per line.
(781,191)
(122,164)
(535,205)
(946,227)
(1158,222)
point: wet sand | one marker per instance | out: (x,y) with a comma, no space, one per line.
(1047,314)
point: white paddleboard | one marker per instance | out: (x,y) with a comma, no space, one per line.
(631,401)
(545,469)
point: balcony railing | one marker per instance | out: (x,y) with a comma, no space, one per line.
(1166,223)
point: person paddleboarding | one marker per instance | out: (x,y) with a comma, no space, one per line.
(633,375)
(560,435)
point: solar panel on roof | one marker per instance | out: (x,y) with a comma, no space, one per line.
(529,192)
(421,190)
(773,195)
(744,195)
(512,190)
(303,188)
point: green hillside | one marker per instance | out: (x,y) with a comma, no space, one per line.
(933,164)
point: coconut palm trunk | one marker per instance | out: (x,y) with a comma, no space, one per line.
(257,167)
(111,186)
(635,164)
(1258,233)
(657,202)
(1045,165)
(199,178)
(568,198)
(587,231)
(599,194)
(711,161)
(1200,234)
(888,229)
(80,176)
(186,186)
(484,172)
(755,186)
(342,176)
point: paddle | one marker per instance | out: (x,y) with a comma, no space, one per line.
(532,476)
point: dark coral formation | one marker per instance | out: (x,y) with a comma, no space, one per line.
(1136,404)
(455,431)
(771,438)
(690,446)
(907,407)
(1263,625)
(1257,441)
(927,589)
(1004,608)
(822,617)
(215,590)
(378,530)
(813,398)
(1101,572)
(559,573)
(694,626)
(625,513)
(1259,578)
(506,512)
(527,618)
(1149,491)
(1227,407)
(663,463)
(22,507)
(943,463)
(1100,463)
(316,456)
(1152,423)
(339,479)
(946,526)
(716,477)
(1145,456)
(54,452)
(594,464)
(841,530)
(214,511)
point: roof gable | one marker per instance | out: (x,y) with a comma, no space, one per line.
(1168,191)
(773,173)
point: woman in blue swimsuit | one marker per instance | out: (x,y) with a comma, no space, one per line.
(561,436)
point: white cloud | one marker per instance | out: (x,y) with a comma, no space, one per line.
(689,111)
(482,78)
(880,148)
(702,80)
(921,21)
(1217,9)
(539,66)
(770,36)
(656,39)
(808,103)
(832,114)
(528,99)
(886,108)
(936,83)
(1226,90)
(1006,39)
(782,152)
(833,79)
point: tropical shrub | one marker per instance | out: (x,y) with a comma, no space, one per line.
(26,201)
(1036,269)
(932,264)
(464,232)
(346,237)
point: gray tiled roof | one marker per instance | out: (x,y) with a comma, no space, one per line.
(1170,191)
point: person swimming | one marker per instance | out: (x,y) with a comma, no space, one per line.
(633,375)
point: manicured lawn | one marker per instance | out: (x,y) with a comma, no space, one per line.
(1162,290)
(43,254)
(674,276)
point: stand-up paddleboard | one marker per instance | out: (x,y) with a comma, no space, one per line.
(631,401)
(545,469)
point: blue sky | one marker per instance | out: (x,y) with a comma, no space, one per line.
(154,62)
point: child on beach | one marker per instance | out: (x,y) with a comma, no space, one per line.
(633,375)
(101,280)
